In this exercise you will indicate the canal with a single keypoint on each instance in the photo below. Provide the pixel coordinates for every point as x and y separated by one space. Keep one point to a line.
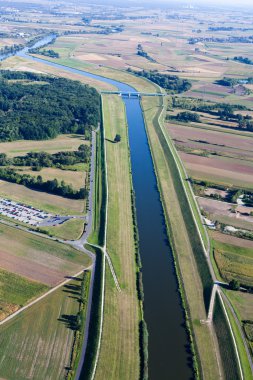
168 343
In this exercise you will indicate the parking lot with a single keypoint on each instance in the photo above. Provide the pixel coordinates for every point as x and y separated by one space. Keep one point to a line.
23 213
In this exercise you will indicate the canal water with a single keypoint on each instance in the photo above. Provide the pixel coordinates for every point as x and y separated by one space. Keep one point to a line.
168 344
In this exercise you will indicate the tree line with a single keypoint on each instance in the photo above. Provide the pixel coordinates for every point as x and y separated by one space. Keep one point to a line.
171 83
44 159
231 82
245 60
37 183
47 53
45 108
222 110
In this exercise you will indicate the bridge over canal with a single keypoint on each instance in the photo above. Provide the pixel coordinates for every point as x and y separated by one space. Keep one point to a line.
132 94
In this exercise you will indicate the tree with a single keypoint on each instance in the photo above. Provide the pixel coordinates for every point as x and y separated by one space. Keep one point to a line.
117 138
188 116
234 284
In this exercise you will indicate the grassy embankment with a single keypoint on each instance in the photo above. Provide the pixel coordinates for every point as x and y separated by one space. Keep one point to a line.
196 281
226 344
38 343
119 345
245 366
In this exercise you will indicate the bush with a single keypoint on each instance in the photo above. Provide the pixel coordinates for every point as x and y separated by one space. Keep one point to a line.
117 138
234 285
188 116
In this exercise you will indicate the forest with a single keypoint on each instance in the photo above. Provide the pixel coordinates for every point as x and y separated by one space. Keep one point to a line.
39 107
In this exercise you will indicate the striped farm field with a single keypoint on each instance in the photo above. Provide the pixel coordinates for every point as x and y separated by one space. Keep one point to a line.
37 343
16 291
233 260
37 258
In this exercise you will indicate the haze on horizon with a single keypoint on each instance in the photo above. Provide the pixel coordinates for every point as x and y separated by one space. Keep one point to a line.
229 3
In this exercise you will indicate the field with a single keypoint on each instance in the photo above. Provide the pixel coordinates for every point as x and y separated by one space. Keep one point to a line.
38 259
120 330
43 201
118 52
61 143
217 208
215 156
16 292
76 179
21 64
235 241
234 261
37 343
70 230
243 303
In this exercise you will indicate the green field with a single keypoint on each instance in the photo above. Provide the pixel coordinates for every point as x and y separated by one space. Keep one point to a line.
70 230
37 343
234 262
16 291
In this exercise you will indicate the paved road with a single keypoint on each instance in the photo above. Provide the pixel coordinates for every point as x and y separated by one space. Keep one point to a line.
88 227
212 303
58 219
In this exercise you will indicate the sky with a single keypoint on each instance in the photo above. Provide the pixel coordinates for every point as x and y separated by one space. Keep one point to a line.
229 3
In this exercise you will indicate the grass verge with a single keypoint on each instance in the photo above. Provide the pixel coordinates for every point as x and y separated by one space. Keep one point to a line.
226 345
247 373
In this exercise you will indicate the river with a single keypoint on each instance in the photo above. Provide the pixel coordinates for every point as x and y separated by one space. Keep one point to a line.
168 342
